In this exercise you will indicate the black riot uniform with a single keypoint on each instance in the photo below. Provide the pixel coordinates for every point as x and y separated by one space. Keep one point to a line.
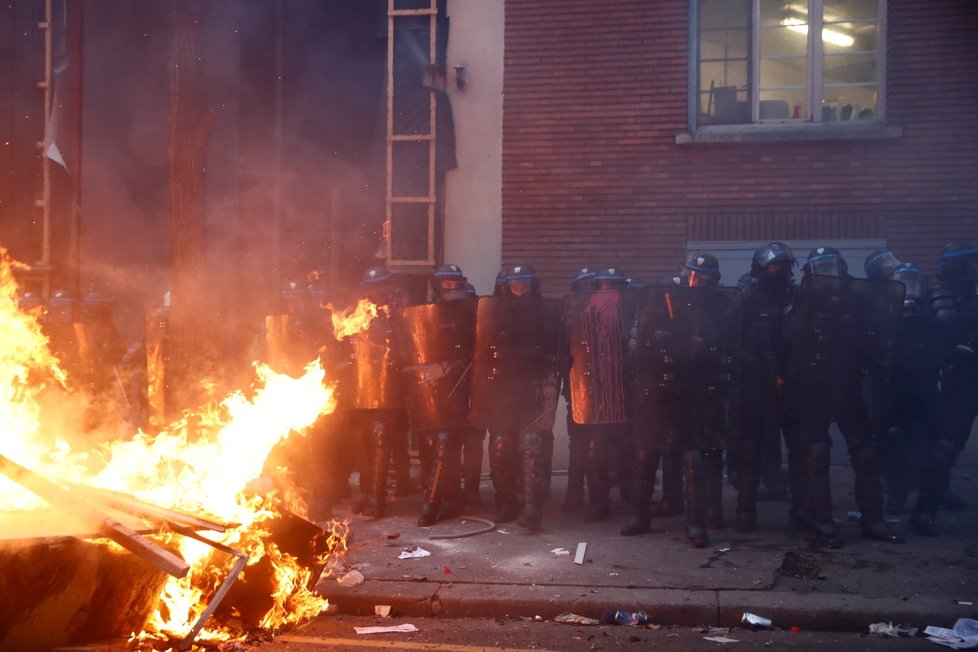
515 385
842 332
764 365
376 393
435 345
901 441
954 301
598 379
101 353
685 357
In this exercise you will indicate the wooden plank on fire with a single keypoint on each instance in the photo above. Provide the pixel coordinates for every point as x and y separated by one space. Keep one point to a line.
131 505
59 497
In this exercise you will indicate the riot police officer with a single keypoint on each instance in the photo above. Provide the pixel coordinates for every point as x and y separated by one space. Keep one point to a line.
576 436
764 365
702 270
683 377
839 367
900 442
954 301
435 344
514 390
376 391
598 326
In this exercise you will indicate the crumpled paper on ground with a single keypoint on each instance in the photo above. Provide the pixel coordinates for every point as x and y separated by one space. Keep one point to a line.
574 619
889 629
963 636
413 552
406 627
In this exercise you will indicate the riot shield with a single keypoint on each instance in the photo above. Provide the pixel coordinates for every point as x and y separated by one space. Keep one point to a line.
293 340
435 343
687 367
376 375
515 374
842 334
598 326
159 389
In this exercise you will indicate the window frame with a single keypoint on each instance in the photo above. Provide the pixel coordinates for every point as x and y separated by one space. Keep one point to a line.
814 87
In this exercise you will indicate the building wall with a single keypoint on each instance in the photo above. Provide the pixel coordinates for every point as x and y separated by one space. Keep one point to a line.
596 93
473 191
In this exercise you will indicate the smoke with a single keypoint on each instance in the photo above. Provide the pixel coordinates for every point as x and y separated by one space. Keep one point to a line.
293 180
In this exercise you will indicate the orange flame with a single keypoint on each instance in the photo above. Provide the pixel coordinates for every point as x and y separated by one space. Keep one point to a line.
203 462
355 320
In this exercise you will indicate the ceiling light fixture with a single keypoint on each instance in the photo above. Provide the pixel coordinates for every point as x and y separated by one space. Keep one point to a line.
828 35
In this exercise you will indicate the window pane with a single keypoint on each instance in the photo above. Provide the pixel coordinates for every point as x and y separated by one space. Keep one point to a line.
839 10
724 105
409 231
778 12
779 41
783 105
724 47
720 14
850 37
850 103
723 44
849 69
784 72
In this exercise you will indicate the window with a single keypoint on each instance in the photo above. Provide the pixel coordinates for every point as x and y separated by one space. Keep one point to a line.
788 61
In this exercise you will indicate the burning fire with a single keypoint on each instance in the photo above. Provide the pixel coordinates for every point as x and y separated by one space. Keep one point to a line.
351 322
203 463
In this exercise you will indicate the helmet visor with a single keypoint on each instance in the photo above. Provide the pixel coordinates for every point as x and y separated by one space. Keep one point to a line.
827 266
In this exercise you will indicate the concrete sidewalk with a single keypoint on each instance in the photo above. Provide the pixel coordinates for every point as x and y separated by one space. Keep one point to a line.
509 572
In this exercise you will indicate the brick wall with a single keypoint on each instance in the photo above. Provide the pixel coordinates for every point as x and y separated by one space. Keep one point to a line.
596 91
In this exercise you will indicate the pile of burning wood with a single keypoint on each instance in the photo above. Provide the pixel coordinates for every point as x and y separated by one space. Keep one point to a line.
162 538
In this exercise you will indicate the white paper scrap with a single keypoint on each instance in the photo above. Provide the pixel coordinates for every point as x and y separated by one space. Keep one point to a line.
964 635
721 639
579 555
393 629
413 553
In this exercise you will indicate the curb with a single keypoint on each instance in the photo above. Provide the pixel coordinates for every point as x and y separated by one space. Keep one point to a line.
838 612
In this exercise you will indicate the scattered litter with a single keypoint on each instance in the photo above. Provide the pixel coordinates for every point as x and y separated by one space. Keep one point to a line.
963 636
393 535
612 574
629 618
351 579
414 552
393 629
854 516
560 552
502 531
414 578
720 639
889 629
755 621
654 626
579 555
574 619
796 630
715 631
382 610
966 603
538 619
758 581
447 570
724 549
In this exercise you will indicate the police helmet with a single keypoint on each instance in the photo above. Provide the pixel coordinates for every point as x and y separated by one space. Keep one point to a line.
956 258
880 264
826 261
584 280
701 270
774 259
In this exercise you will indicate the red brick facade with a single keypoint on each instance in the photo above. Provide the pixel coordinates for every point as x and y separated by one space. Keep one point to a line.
596 93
